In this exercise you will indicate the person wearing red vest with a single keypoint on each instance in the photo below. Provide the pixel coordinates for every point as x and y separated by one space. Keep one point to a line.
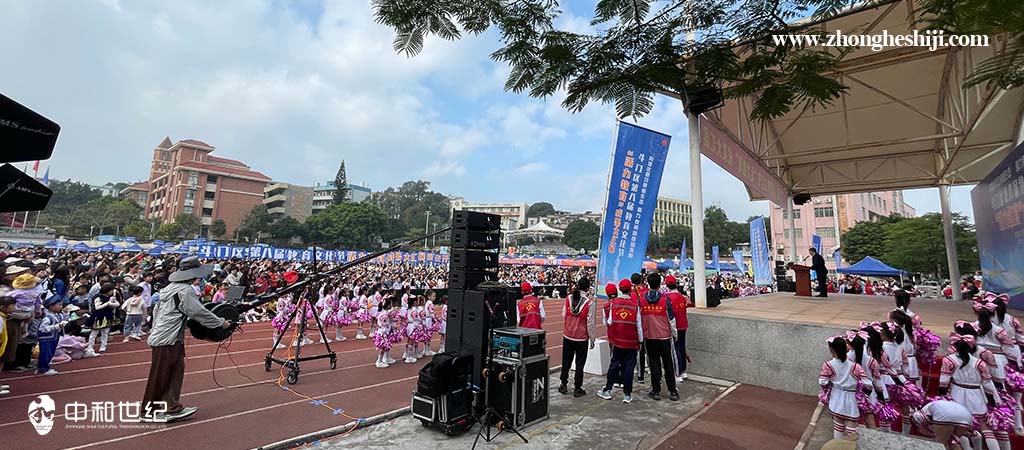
580 315
625 334
530 313
637 293
658 326
679 304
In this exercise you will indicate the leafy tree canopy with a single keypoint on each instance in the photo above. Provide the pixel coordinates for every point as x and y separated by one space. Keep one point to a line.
218 228
341 190
348 225
189 224
540 209
257 221
582 234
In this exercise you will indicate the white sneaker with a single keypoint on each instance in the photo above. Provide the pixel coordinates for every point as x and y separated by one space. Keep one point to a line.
685 376
48 372
388 359
628 398
306 341
339 339
103 349
5 391
410 360
604 394
90 353
125 340
429 353
381 365
680 379
326 341
360 336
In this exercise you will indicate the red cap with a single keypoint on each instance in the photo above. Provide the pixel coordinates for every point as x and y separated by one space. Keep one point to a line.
625 285
611 290
670 280
526 288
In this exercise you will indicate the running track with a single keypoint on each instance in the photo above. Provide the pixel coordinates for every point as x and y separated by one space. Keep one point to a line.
242 413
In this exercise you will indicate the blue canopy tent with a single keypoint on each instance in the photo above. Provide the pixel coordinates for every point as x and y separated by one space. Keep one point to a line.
106 248
134 248
182 250
666 264
585 258
728 267
873 268
51 244
82 247
156 250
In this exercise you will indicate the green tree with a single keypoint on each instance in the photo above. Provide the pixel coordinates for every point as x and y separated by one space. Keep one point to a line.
917 245
348 225
218 228
673 236
287 228
142 229
582 234
987 18
862 239
767 226
540 209
190 225
169 231
341 189
105 215
257 221
409 204
718 230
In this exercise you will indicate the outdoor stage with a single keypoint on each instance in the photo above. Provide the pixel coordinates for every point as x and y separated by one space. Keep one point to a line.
778 340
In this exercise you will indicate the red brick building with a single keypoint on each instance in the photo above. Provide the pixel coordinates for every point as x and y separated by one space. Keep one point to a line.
136 192
185 179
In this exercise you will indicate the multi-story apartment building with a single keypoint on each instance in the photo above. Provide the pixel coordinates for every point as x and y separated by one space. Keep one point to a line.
512 214
185 179
830 216
283 199
670 211
323 194
136 192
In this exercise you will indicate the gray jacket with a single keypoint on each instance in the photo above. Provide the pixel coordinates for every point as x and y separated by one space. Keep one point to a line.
168 320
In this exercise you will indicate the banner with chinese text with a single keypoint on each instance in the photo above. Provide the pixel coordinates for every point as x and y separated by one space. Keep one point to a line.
759 253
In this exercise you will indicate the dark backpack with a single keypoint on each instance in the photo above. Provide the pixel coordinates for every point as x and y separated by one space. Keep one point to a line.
445 373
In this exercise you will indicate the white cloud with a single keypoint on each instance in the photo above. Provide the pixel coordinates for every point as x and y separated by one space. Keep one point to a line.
531 168
465 141
445 168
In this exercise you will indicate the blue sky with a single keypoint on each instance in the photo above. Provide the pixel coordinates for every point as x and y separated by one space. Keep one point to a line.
293 87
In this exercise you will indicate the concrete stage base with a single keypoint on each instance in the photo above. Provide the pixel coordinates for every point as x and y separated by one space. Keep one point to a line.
778 340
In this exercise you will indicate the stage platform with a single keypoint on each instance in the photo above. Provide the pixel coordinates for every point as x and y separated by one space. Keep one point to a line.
778 340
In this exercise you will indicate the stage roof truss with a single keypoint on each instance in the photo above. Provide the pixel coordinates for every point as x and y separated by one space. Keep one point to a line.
905 121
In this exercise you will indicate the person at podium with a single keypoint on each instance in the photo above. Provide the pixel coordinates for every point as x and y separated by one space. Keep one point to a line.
820 271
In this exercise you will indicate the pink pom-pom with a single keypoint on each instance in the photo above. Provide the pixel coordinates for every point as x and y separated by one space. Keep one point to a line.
914 396
823 396
864 403
927 344
1000 418
382 341
1014 379
887 412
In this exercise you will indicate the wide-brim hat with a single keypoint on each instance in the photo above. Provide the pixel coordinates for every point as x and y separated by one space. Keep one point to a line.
190 269
25 281
14 270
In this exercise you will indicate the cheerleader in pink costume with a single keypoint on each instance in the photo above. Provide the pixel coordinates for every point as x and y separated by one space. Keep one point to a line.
307 313
1010 324
442 322
284 309
411 327
1005 351
860 354
382 338
966 380
893 360
429 322
329 316
363 316
344 315
841 380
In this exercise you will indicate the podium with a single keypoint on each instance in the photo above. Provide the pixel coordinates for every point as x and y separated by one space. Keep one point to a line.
803 280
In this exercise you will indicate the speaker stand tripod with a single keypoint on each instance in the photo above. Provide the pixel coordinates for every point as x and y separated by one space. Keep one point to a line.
292 363
489 413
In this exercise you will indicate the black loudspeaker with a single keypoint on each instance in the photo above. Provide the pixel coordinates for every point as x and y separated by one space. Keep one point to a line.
473 259
475 240
469 279
800 199
475 221
713 297
25 135
702 98
19 191
476 312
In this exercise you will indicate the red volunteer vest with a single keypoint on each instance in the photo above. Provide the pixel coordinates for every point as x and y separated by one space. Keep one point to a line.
622 332
655 319
679 303
529 312
576 326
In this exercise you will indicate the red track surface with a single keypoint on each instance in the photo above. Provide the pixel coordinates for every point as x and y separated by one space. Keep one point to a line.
245 416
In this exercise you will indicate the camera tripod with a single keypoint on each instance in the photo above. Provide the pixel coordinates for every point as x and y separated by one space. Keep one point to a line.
292 363
490 416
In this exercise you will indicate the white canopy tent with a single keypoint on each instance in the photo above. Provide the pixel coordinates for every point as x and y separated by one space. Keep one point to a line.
905 122
538 231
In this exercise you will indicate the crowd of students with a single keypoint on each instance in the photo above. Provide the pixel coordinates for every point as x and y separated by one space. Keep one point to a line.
874 376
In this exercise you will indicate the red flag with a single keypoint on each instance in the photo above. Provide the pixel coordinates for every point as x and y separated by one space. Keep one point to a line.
35 167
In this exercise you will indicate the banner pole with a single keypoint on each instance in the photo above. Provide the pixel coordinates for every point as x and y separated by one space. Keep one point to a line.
599 287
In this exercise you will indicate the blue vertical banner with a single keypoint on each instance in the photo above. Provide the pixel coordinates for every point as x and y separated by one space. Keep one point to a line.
714 258
816 243
737 256
998 202
759 253
839 260
638 160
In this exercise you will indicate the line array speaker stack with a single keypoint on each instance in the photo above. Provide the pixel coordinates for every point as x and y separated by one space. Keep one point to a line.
780 277
477 302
